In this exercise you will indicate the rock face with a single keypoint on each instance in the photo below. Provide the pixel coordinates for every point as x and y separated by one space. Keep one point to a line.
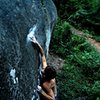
19 60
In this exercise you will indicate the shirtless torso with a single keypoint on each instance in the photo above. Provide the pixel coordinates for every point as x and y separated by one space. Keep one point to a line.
49 86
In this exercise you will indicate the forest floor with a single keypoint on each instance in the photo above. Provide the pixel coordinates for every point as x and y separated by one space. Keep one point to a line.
55 61
58 62
89 38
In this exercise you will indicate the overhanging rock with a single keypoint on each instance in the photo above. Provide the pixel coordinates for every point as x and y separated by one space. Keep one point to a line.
19 61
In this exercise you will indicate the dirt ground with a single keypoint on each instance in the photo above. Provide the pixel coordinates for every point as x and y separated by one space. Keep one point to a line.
58 63
55 61
93 42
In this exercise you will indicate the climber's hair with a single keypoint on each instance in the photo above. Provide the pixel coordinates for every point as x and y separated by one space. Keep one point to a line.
49 73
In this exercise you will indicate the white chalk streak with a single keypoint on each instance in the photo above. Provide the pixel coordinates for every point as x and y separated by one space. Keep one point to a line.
48 37
31 33
12 74
33 97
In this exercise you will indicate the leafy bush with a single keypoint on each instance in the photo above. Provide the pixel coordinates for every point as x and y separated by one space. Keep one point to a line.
60 37
80 75
79 79
84 13
97 38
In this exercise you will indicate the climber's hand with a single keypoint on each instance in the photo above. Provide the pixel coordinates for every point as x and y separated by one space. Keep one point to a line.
34 39
42 70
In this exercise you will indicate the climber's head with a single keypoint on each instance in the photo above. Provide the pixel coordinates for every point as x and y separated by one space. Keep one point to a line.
49 73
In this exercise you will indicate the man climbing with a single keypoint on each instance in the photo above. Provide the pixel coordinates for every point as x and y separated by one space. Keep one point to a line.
48 82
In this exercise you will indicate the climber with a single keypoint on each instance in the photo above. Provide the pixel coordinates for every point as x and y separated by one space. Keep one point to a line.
48 82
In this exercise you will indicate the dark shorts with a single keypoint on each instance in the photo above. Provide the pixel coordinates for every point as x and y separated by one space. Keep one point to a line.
56 98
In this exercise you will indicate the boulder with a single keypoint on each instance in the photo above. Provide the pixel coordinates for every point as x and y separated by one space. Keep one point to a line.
19 60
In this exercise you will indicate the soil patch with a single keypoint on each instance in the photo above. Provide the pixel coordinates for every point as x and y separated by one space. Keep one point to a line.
93 42
55 61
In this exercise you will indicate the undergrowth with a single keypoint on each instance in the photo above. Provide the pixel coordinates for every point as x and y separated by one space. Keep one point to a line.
79 78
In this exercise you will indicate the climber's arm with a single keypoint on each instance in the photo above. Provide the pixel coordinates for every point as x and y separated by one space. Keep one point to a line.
40 90
46 95
48 87
44 63
54 87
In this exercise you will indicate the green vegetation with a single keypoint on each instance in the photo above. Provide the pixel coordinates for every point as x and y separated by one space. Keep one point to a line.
80 75
82 14
79 78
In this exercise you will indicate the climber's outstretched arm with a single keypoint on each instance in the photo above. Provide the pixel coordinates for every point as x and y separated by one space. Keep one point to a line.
44 63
